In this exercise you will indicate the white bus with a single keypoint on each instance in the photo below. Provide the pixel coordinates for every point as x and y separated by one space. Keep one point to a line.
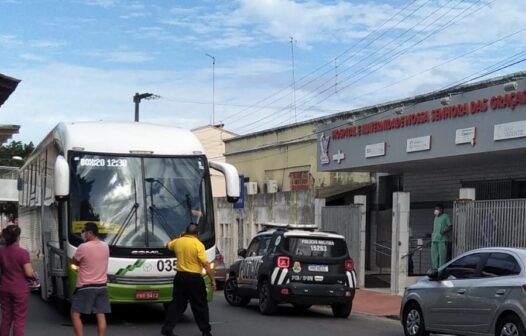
141 183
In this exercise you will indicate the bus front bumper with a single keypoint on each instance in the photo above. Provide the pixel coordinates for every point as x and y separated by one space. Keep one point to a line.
123 294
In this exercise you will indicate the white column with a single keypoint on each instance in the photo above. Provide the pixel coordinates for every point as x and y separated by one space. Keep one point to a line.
400 241
318 204
467 194
362 201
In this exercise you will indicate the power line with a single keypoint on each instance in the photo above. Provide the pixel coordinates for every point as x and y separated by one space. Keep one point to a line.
380 63
305 101
368 55
449 23
418 42
442 64
195 102
383 63
403 19
491 72
326 64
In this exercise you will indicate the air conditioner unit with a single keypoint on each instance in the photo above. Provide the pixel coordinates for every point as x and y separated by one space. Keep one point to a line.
251 188
271 186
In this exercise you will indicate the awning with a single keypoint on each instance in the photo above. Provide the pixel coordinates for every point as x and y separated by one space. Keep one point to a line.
7 86
336 190
7 131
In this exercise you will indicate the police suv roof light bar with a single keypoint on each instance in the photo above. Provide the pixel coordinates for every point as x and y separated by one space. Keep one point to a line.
291 226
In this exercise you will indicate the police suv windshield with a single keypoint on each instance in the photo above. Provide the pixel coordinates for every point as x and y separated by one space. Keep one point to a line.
139 202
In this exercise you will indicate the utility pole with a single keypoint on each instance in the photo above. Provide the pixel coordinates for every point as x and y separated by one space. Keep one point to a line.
213 86
137 100
293 78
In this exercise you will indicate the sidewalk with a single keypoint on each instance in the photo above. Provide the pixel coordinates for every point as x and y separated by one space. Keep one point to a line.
376 303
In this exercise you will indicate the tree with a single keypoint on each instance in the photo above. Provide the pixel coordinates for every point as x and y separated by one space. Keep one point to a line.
15 148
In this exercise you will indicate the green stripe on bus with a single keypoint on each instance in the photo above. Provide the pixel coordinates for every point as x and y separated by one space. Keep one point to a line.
138 263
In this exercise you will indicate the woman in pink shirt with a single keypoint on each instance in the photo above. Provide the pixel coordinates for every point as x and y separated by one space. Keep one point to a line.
14 291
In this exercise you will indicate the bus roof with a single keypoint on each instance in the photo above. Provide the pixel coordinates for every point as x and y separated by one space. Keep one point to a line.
125 137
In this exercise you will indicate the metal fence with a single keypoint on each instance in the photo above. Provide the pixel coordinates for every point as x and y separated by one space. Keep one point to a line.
488 223
419 255
382 251
344 220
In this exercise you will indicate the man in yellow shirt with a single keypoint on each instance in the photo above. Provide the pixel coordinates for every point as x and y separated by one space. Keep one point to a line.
189 285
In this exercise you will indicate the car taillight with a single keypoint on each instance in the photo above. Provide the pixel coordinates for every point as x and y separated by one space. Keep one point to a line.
349 265
283 262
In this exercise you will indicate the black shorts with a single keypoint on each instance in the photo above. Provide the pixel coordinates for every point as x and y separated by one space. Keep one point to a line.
91 300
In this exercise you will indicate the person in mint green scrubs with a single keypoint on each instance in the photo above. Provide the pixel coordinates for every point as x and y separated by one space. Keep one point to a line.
441 237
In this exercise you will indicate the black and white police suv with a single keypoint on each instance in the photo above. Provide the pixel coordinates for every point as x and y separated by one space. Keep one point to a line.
293 264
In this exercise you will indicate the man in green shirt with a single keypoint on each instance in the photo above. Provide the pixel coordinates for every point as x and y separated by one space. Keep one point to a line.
441 237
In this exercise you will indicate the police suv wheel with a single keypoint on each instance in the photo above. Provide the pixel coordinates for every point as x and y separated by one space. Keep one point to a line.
342 310
231 294
267 305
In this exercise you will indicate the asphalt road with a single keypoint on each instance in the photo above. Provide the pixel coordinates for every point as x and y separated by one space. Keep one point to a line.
143 320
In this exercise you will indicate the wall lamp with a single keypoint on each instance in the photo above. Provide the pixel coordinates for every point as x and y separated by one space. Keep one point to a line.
511 86
445 100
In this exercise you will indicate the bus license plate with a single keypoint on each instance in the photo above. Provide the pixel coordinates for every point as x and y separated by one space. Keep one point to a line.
319 268
146 295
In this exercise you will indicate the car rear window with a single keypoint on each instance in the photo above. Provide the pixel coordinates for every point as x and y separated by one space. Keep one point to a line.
315 247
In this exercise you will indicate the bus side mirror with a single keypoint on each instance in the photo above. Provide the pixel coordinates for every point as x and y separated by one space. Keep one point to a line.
231 179
61 178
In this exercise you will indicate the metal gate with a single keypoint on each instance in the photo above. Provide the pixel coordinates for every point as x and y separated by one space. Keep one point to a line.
488 224
344 220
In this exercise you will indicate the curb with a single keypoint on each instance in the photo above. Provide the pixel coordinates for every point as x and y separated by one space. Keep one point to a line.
328 309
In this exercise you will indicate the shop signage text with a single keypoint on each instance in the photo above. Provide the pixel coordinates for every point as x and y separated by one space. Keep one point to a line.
375 150
419 144
510 130
466 135
510 100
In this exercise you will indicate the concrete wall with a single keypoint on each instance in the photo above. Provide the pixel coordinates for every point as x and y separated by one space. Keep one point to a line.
236 227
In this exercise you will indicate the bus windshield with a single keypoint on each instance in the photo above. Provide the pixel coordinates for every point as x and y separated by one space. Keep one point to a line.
139 202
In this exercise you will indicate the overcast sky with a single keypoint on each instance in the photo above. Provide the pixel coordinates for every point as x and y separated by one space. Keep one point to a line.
85 59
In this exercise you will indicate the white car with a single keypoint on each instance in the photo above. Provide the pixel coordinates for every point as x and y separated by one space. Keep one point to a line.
481 292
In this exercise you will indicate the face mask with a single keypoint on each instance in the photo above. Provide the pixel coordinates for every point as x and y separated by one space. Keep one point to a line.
436 212
83 235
